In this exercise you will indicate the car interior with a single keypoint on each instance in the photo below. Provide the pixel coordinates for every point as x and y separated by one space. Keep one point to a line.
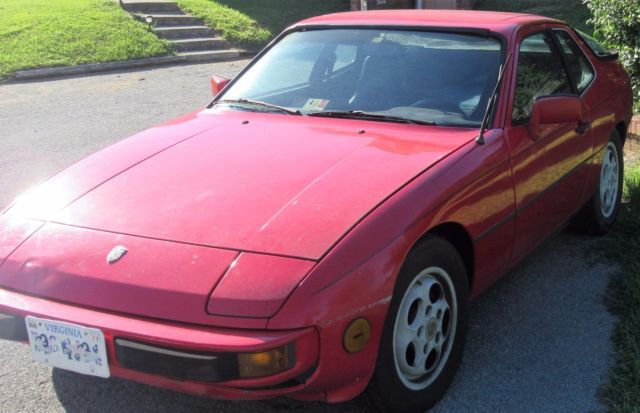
448 85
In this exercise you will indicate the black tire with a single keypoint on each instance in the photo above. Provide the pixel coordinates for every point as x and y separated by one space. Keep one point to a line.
595 218
389 389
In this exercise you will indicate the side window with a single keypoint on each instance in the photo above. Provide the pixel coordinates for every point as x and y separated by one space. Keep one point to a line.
540 73
596 47
579 66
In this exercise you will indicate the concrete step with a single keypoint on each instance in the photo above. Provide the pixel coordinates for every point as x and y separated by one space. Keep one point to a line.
203 43
184 32
172 19
210 55
151 6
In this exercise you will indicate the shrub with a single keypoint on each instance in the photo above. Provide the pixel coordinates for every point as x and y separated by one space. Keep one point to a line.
617 23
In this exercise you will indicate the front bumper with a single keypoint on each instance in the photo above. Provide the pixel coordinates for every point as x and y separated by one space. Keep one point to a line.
180 339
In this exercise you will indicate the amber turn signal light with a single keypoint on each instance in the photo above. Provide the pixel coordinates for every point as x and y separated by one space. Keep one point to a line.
356 335
265 363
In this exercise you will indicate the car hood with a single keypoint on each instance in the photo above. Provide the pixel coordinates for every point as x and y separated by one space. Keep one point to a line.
143 276
257 182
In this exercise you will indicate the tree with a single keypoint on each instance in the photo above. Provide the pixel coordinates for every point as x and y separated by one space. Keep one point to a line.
617 24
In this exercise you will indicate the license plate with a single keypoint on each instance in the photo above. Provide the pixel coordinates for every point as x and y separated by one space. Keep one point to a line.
68 346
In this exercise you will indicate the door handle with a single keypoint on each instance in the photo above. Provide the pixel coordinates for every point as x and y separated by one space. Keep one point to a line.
583 128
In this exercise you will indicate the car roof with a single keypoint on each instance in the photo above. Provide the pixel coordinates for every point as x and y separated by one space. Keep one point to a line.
501 22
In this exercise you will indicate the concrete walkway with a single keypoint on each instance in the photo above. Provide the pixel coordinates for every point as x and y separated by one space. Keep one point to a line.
190 37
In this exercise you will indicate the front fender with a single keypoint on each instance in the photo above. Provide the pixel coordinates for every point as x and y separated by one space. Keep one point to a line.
472 188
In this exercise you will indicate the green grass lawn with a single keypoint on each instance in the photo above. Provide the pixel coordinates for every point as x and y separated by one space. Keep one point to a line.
573 12
44 33
622 394
253 23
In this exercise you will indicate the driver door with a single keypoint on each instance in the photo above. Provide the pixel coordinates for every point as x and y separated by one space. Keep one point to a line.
550 173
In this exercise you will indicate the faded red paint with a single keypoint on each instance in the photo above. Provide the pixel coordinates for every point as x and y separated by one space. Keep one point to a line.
205 198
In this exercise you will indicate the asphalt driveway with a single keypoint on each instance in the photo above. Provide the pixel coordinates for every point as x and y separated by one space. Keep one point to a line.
538 341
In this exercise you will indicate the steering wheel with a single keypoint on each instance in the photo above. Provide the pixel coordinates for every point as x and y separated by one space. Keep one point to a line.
438 104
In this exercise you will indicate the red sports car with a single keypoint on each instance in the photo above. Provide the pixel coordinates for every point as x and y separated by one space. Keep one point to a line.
321 227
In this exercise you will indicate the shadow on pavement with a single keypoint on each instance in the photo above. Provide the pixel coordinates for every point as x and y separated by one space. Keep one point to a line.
78 393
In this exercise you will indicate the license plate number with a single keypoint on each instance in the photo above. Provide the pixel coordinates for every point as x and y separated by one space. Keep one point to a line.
68 346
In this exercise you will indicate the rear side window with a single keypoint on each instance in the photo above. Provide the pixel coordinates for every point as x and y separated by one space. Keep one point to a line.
540 73
596 47
579 66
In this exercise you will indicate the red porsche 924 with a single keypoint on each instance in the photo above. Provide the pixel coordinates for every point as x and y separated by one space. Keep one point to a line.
319 229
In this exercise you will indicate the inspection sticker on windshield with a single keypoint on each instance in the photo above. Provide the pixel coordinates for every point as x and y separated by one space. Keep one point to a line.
68 346
316 104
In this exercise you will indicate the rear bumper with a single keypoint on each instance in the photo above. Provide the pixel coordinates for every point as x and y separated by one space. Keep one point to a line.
184 338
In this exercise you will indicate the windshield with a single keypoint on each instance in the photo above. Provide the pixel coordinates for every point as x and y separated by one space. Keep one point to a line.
428 77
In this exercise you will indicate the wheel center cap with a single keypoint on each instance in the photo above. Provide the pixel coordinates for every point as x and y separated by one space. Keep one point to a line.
432 328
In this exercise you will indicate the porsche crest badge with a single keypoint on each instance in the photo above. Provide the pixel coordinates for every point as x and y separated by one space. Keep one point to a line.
116 254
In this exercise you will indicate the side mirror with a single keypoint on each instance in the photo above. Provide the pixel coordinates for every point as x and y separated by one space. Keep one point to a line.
554 110
217 84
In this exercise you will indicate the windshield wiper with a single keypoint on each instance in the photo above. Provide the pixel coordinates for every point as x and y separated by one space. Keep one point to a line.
492 102
258 103
358 114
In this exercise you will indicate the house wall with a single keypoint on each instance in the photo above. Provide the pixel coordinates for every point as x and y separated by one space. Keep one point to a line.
440 4
409 4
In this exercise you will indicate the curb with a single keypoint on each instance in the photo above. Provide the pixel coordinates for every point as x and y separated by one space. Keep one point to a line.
94 67
53 72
